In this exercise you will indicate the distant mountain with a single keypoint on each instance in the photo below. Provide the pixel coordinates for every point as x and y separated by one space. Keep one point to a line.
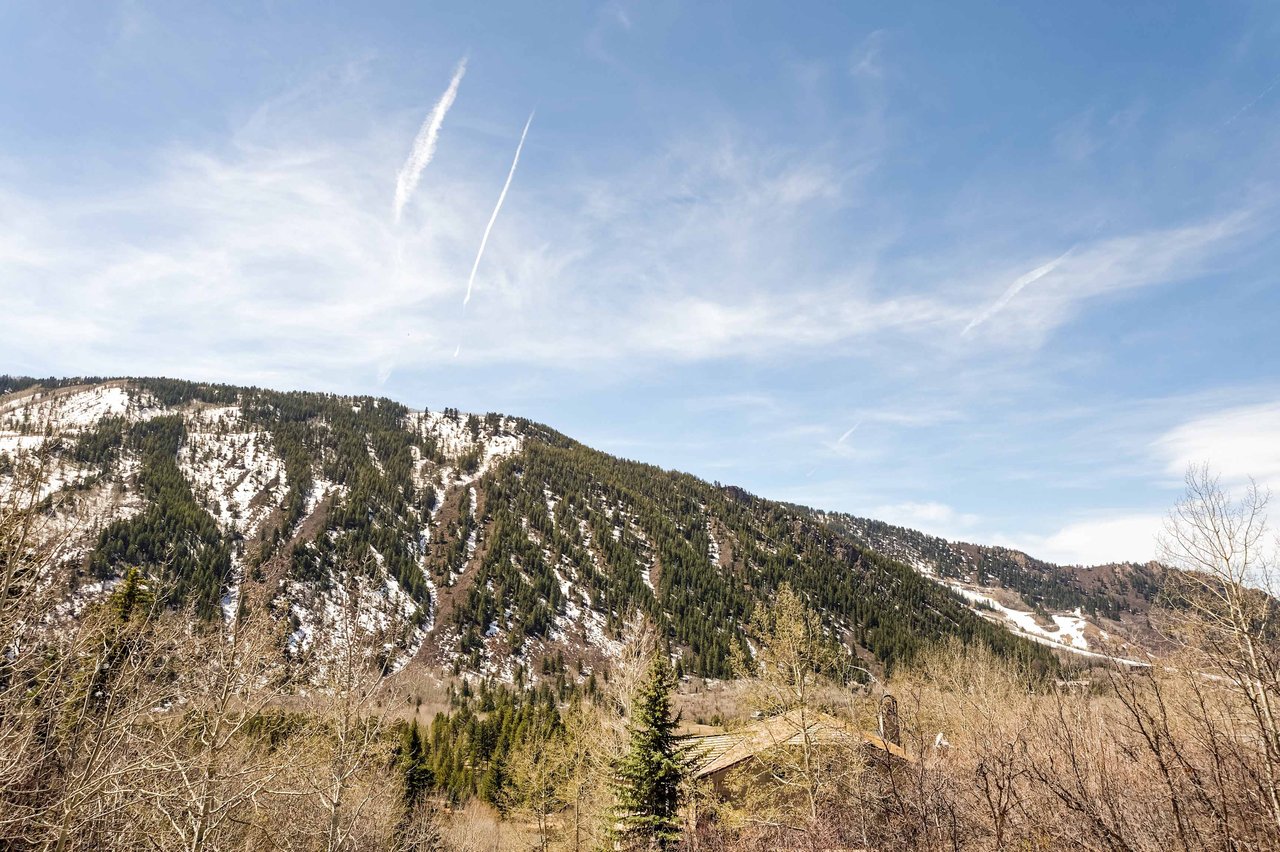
495 545
1090 610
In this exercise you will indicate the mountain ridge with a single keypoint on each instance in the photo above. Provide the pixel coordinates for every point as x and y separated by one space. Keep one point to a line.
490 544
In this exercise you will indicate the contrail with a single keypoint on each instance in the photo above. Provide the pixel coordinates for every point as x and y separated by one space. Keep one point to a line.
501 198
424 145
1253 102
1014 289
848 432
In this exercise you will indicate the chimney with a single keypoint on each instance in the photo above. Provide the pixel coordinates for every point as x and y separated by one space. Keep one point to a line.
890 731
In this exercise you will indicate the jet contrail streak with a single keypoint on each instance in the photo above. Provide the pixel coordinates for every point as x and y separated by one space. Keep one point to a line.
1014 289
501 198
424 145
1253 102
848 432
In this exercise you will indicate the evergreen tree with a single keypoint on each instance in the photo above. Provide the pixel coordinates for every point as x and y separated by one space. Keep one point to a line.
132 597
418 776
649 776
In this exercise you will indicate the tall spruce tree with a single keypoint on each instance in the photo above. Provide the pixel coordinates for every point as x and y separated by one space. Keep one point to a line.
418 777
648 778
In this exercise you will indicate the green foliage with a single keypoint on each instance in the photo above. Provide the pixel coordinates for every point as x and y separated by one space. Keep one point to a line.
362 444
414 765
175 392
100 445
469 462
464 753
1039 583
132 598
613 521
174 538
649 777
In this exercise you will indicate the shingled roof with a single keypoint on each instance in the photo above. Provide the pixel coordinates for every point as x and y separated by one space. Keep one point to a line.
715 753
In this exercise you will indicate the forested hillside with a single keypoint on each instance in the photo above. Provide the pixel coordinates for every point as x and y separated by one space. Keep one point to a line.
1126 587
481 543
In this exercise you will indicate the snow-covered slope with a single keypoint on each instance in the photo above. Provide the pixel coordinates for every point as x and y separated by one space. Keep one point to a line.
236 473
483 544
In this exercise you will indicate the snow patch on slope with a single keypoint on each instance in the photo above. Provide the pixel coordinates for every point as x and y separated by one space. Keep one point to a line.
455 439
1067 633
376 613
62 413
73 410
235 471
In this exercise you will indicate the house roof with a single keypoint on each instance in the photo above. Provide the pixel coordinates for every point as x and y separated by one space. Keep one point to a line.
717 752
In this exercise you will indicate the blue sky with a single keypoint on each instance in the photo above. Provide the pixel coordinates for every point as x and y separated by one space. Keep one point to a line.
997 272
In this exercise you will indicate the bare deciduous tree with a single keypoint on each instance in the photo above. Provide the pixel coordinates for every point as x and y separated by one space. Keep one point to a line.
351 704
1220 603
210 759
76 680
808 768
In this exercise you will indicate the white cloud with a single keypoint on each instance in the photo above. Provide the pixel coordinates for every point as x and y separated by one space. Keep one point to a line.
1236 443
866 59
762 325
1118 537
270 258
928 516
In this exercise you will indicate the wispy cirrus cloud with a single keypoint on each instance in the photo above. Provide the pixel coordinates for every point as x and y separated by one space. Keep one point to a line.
1109 266
271 257
867 61
260 254
933 517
